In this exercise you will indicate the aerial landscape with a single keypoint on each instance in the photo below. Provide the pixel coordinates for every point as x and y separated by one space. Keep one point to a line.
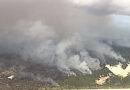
64 44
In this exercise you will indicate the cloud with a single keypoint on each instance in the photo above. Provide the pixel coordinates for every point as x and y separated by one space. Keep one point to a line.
59 34
105 6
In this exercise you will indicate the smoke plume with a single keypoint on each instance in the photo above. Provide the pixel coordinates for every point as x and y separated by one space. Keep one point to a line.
66 34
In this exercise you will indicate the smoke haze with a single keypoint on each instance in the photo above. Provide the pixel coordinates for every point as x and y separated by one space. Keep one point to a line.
67 34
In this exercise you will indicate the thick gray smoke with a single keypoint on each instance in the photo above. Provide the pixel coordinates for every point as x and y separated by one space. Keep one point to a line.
61 33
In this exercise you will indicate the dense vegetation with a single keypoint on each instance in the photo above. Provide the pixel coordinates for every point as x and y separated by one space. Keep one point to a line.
28 82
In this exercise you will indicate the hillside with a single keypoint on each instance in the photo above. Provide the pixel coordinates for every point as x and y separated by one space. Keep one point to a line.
29 75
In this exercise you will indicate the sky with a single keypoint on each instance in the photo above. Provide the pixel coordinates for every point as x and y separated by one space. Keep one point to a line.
66 34
122 9
122 21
